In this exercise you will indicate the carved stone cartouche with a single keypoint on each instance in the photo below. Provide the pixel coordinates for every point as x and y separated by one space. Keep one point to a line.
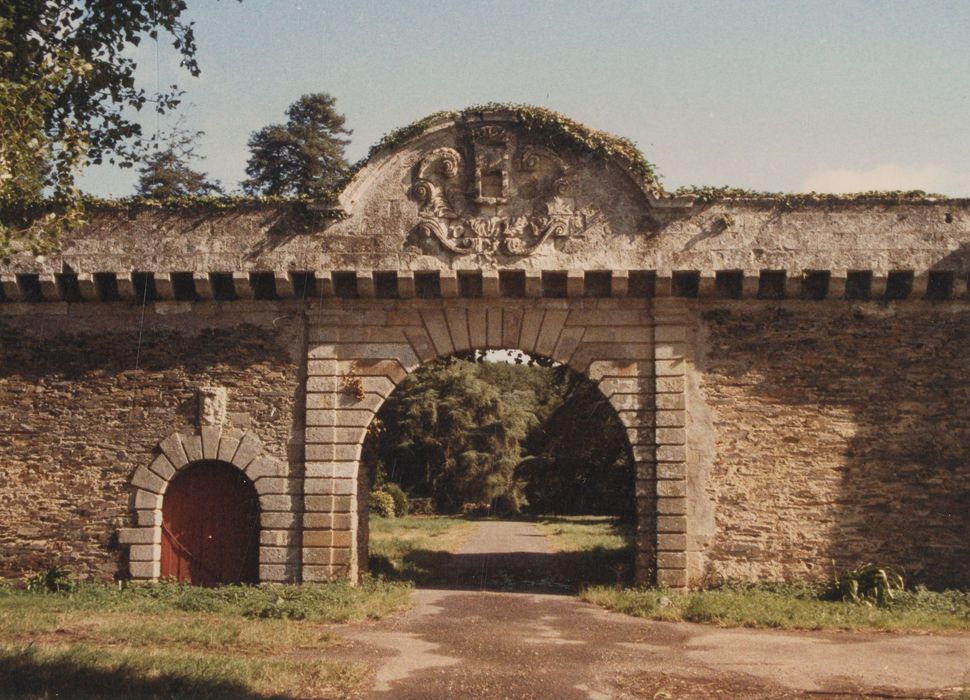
501 200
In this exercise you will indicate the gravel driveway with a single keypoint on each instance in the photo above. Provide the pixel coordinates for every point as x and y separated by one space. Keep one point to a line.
481 644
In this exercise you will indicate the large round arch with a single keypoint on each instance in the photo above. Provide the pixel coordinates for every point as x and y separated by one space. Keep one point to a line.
630 348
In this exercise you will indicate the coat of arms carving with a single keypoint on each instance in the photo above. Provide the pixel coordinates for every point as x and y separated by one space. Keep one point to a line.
494 198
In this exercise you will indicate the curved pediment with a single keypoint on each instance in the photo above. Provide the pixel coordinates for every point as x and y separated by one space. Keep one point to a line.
494 186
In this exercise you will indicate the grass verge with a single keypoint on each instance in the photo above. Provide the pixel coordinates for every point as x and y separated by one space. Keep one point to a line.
591 549
97 671
168 640
789 607
415 547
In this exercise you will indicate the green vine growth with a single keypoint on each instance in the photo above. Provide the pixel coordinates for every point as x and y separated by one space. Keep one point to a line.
555 129
550 128
794 200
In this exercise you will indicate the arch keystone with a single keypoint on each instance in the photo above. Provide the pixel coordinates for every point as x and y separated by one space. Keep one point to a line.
210 441
192 444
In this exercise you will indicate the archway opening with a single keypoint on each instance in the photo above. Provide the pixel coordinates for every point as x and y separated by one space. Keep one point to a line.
516 473
210 526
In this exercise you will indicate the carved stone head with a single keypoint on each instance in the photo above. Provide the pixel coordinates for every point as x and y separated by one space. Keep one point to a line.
212 405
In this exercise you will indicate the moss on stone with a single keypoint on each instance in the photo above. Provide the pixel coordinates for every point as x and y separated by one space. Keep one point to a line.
217 203
793 200
557 130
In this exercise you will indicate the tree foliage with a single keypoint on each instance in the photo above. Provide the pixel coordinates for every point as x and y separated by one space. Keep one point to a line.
452 436
30 158
580 459
100 34
511 435
304 156
67 83
166 173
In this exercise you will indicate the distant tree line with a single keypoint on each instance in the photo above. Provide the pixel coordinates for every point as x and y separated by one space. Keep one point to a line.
528 436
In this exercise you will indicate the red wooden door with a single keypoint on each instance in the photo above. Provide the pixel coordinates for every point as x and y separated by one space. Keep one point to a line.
210 526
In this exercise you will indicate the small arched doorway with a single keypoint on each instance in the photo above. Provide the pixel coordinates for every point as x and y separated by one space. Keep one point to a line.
210 526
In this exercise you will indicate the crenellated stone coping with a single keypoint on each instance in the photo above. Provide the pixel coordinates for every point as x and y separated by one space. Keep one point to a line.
278 500
135 287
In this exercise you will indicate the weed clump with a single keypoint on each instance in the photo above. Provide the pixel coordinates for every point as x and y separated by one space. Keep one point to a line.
381 503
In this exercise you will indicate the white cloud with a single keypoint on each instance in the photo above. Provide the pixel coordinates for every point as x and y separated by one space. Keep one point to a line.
890 176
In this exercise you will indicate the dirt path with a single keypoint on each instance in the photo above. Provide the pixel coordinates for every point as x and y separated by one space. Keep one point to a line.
477 644
499 555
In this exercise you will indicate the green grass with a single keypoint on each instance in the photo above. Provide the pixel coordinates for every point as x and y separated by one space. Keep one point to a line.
585 549
585 533
789 607
606 549
98 671
332 602
414 547
170 640
592 549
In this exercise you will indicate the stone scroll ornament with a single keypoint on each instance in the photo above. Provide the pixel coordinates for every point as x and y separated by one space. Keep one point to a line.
501 201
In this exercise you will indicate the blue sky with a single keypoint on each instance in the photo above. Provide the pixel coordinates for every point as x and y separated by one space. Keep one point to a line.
780 96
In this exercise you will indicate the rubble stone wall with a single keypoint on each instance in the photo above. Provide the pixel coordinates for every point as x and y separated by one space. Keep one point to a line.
84 403
824 432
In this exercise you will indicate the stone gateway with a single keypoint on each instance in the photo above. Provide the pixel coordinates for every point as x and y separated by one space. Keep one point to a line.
793 371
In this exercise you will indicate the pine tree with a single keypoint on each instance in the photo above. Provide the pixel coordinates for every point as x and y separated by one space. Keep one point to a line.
166 172
304 156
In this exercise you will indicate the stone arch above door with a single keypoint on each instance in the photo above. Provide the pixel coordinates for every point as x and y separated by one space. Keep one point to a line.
632 349
278 500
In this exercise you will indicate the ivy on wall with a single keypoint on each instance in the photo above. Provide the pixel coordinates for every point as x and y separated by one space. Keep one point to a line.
793 200
549 128
557 130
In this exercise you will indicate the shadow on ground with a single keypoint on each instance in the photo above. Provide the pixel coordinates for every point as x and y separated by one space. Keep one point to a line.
558 572
23 675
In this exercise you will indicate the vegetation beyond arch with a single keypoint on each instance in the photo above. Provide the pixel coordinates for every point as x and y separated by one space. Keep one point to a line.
507 436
